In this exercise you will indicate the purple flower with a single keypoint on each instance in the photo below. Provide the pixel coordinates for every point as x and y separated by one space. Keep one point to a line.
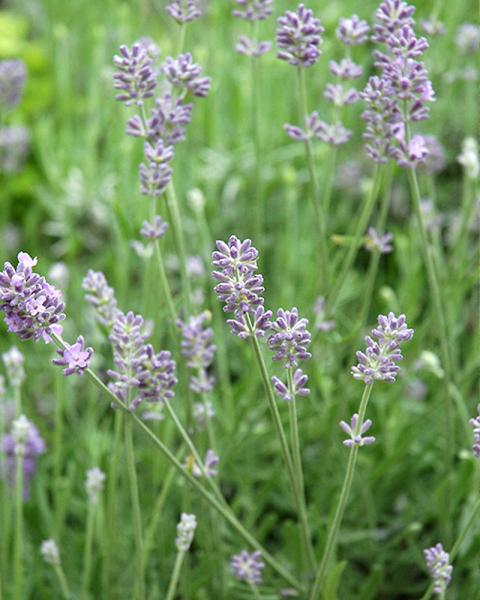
32 307
210 463
352 31
380 242
468 38
378 363
321 323
335 93
198 349
438 564
158 152
433 27
299 36
183 73
203 412
24 441
135 77
14 146
356 430
290 338
434 162
335 134
253 10
184 11
155 230
156 377
14 366
12 82
411 154
475 425
248 566
168 121
154 178
300 381
249 47
101 296
313 127
74 357
346 69
240 287
390 16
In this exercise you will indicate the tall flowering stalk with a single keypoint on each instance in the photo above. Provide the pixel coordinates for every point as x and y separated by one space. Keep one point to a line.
254 11
94 483
43 326
185 532
377 363
51 555
241 289
299 38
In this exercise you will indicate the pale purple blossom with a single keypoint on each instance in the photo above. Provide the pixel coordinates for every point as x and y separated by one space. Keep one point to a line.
248 566
75 358
352 31
198 349
299 386
203 412
380 242
389 17
184 11
253 10
299 37
334 134
379 361
439 567
134 76
168 120
434 162
210 464
14 366
433 27
339 96
475 425
154 178
249 47
12 82
345 69
14 146
355 430
290 338
101 297
411 154
32 307
467 38
183 73
154 230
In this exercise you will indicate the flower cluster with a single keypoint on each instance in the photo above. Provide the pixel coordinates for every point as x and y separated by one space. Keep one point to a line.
50 553
248 566
240 287
23 443
32 307
94 483
405 89
352 31
203 412
438 564
299 36
155 230
101 296
135 77
253 10
355 430
75 358
210 464
14 361
139 370
185 532
12 82
183 73
198 349
380 242
184 11
298 386
435 160
475 424
379 361
249 47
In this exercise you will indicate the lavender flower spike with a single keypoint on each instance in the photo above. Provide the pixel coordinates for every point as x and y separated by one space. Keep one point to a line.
475 425
290 338
32 307
50 553
12 82
352 31
155 230
135 77
182 72
299 36
198 349
14 361
75 358
300 381
249 47
380 242
356 430
438 564
185 532
101 296
248 566
253 10
184 11
379 361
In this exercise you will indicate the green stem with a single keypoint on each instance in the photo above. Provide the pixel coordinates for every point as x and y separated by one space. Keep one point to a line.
17 395
57 458
255 592
222 509
174 211
175 576
319 208
458 544
87 556
136 512
258 198
181 37
18 547
62 580
297 495
328 184
342 502
358 234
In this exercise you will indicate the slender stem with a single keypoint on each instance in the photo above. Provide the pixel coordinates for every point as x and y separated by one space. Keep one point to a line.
136 512
113 496
62 580
328 184
17 395
57 458
359 232
258 198
175 576
342 502
4 506
224 510
87 555
174 211
255 592
18 547
297 495
458 544
181 37
315 196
